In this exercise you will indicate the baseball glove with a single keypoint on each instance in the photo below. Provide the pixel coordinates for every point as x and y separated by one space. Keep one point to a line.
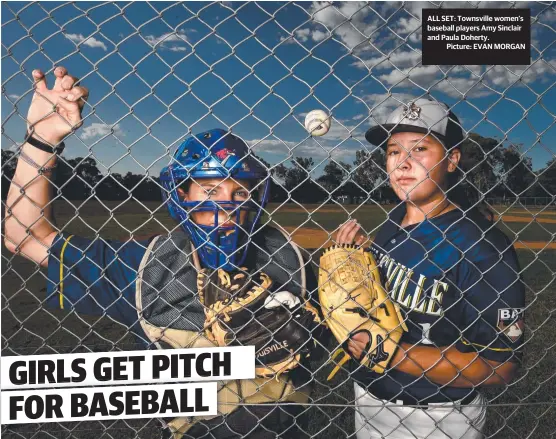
242 310
353 300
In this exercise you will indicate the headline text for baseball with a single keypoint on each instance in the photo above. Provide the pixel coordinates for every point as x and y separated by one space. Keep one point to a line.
123 402
132 367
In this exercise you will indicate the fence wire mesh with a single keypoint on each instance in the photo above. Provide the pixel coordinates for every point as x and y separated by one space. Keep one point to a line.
160 72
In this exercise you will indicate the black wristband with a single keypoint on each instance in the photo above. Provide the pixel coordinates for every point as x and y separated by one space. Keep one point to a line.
42 145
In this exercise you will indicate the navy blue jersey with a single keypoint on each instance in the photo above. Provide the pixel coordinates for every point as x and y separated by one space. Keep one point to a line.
95 277
457 281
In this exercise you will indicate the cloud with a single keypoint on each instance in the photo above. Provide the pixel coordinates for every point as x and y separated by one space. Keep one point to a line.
503 76
535 38
472 81
287 40
99 130
457 87
410 21
348 20
169 41
302 34
435 78
547 16
388 98
308 148
271 145
318 35
177 49
86 41
13 97
342 130
354 23
422 75
382 104
399 59
396 98
410 25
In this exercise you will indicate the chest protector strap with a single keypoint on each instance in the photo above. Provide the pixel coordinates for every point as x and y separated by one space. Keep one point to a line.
231 394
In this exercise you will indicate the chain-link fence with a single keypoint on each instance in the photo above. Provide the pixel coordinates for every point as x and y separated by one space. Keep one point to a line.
160 72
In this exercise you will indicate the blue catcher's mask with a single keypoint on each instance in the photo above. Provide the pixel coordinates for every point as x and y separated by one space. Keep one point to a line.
216 154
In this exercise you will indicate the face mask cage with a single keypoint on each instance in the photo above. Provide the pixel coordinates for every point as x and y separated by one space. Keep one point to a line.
218 245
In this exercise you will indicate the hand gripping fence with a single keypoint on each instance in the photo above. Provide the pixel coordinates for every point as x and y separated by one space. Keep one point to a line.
160 72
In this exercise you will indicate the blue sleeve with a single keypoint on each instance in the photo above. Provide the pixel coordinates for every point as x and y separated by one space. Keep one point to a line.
95 277
493 298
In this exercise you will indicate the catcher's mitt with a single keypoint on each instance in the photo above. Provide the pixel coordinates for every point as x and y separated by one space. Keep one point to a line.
353 300
240 309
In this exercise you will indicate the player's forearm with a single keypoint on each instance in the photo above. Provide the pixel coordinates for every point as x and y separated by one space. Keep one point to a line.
446 366
28 206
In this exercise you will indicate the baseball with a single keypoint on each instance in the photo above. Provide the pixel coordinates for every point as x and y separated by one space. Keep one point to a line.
317 122
281 298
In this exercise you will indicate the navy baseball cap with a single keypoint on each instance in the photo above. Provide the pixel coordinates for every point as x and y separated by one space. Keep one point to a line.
420 116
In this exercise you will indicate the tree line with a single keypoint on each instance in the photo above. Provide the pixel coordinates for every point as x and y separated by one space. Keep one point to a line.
488 168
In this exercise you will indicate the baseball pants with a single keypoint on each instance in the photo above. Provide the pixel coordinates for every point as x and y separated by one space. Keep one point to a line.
378 419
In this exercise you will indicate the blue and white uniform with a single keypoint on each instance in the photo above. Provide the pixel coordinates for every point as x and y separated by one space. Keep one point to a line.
456 279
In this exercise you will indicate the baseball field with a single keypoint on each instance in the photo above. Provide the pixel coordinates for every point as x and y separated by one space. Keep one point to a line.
525 409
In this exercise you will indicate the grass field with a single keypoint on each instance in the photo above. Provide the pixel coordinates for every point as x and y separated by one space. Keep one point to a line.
525 409
114 220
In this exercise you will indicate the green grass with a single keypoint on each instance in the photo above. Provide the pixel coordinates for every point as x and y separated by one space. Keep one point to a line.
27 328
371 218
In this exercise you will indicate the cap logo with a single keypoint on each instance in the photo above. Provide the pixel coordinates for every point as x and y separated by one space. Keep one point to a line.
224 154
412 112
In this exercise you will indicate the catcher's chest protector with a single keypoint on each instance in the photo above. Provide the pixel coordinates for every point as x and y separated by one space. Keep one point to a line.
166 286
172 316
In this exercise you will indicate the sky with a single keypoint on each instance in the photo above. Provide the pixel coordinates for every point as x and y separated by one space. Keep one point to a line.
158 71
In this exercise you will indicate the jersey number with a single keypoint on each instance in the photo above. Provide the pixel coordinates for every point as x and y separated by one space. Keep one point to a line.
425 328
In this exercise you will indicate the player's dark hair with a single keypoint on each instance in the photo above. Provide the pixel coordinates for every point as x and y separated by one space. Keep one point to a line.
466 196
184 185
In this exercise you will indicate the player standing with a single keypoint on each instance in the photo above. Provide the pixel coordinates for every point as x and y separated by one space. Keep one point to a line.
216 191
454 276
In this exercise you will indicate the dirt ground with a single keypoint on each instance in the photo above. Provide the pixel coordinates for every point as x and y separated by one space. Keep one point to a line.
314 238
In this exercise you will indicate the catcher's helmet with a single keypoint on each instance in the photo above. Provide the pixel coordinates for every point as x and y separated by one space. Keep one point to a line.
216 154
